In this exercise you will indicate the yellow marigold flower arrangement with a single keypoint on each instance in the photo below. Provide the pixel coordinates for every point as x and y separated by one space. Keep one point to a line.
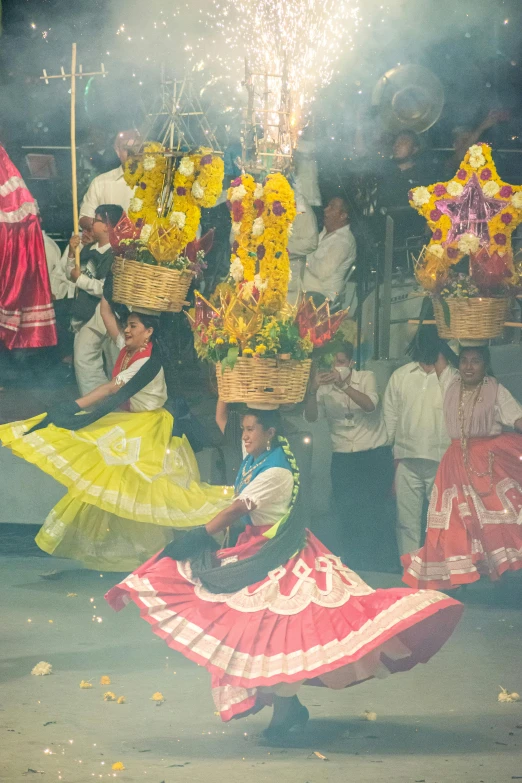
105 680
209 180
118 766
240 201
85 684
429 201
109 696
157 697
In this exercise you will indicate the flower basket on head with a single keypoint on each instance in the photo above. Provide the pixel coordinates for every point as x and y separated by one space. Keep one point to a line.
264 381
153 287
479 318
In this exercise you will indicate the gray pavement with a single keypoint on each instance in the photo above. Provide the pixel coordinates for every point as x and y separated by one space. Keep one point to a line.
437 724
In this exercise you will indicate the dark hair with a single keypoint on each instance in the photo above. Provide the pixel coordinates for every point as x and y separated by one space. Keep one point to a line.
426 345
345 347
483 352
149 322
111 214
266 419
409 134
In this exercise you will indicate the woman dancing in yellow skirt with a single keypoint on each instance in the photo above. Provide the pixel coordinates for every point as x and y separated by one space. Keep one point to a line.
130 482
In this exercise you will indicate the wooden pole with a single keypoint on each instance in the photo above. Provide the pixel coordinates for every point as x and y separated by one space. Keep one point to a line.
73 152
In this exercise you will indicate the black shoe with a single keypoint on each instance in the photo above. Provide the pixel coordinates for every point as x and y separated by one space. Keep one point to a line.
294 725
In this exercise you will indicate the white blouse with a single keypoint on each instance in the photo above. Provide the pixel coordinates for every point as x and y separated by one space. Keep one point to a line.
271 492
153 395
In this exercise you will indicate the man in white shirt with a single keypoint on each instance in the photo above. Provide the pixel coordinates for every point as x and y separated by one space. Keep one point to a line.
415 424
91 340
327 267
301 242
110 188
362 464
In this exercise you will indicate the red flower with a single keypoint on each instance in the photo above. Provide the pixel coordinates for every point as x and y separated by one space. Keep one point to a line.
261 252
237 212
437 235
435 215
259 205
506 218
278 209
205 160
439 190
485 174
181 191
461 174
500 239
235 182
452 252
506 191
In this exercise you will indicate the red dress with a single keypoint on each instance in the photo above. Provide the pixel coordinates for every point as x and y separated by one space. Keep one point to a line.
474 522
27 317
312 620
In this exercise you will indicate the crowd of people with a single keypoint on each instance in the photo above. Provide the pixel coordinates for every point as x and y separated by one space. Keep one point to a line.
231 577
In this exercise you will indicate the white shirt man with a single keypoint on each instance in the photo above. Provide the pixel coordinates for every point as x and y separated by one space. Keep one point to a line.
110 188
53 257
415 423
301 242
327 267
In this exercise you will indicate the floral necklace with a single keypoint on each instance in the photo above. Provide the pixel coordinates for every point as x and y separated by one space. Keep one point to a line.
472 396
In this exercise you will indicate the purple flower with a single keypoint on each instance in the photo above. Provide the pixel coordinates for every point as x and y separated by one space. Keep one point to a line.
506 218
435 215
278 209
485 174
439 190
235 182
461 174
506 191
235 246
437 235
410 195
500 239
181 191
452 252
205 160
142 185
261 250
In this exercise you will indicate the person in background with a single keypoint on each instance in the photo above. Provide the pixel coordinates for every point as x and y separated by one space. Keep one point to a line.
110 188
91 335
415 424
463 137
326 269
301 242
362 464
474 517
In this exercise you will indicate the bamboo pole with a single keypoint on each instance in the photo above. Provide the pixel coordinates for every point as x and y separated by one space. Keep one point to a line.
73 153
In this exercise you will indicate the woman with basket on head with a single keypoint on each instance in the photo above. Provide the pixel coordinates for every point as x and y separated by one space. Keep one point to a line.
278 609
475 513
130 483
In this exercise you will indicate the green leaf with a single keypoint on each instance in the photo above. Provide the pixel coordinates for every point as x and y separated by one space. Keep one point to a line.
446 311
230 359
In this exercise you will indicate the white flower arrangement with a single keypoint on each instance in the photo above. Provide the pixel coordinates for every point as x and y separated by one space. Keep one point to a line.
455 188
136 204
476 158
186 167
468 244
491 188
258 227
178 219
237 271
516 200
436 250
259 191
238 193
149 162
260 283
236 228
146 231
197 190
420 196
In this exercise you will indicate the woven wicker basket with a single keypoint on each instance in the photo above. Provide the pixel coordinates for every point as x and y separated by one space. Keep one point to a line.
152 287
471 319
266 381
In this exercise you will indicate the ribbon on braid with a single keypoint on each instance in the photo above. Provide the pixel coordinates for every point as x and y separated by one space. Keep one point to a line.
285 538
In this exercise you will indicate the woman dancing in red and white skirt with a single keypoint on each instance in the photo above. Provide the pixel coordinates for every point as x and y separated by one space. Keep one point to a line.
278 609
475 513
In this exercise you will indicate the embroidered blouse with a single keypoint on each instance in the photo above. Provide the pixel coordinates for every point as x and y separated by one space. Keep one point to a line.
153 395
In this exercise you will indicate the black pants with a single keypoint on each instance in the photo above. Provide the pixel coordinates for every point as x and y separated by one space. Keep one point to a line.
362 483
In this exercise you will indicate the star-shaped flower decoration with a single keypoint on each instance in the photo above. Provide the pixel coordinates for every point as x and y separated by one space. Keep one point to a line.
474 210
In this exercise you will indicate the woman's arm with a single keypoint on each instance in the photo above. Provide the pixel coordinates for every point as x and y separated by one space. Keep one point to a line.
110 320
360 398
98 394
228 516
221 415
